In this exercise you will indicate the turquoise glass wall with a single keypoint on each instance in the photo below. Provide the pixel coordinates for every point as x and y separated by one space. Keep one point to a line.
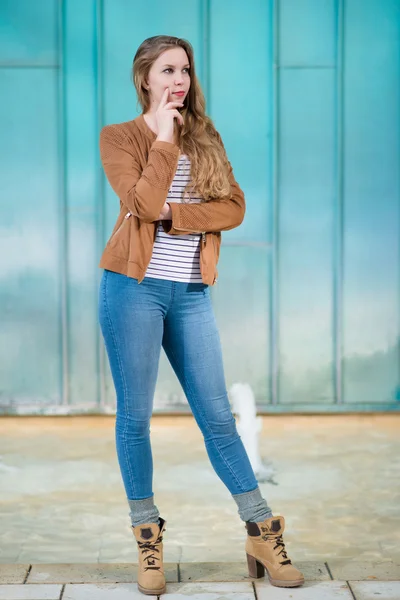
306 95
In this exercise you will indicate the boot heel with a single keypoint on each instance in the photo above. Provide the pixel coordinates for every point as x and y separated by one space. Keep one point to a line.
256 569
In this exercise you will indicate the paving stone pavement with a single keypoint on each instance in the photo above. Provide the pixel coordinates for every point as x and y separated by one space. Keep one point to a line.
202 581
64 531
62 498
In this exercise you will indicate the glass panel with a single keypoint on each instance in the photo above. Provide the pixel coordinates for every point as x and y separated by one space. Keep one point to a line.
29 235
28 32
372 203
307 32
82 198
306 193
241 303
240 104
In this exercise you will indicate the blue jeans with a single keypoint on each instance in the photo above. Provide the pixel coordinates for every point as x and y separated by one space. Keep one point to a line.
136 321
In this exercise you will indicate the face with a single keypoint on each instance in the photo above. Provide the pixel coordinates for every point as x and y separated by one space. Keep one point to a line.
170 70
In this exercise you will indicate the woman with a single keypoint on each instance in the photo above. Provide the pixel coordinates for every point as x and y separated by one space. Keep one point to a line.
177 193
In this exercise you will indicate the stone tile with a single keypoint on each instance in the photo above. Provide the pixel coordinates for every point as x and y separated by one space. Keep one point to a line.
9 553
209 596
372 590
10 573
212 587
111 553
391 549
115 559
346 554
172 553
239 590
321 590
210 552
48 557
313 477
91 573
104 591
118 553
212 571
70 538
313 570
30 592
357 570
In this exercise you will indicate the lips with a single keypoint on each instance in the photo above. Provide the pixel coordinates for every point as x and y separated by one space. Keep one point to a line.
178 93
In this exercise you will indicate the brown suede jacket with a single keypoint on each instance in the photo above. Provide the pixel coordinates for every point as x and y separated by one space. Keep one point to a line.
140 170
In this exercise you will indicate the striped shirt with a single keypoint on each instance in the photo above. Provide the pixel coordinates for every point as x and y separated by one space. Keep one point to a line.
177 257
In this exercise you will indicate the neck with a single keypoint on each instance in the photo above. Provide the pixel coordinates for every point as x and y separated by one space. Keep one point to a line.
151 122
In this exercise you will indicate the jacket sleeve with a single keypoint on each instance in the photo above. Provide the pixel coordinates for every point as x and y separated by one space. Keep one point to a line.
214 215
142 192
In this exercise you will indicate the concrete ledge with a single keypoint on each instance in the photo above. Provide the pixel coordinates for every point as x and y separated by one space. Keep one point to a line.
93 573
340 570
361 571
237 571
13 573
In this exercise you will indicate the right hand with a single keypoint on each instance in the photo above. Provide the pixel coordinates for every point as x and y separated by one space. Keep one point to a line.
165 115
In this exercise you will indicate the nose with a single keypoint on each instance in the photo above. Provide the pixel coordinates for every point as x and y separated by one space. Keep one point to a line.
178 80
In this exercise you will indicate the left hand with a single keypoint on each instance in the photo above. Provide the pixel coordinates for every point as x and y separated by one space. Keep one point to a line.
166 213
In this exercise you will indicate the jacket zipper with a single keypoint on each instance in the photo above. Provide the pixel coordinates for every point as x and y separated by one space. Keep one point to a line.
122 224
155 235
203 237
215 251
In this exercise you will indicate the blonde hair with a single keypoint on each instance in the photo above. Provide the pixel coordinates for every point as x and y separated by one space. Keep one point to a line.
198 137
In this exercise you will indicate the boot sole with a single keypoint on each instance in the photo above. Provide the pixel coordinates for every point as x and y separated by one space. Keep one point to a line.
258 569
149 592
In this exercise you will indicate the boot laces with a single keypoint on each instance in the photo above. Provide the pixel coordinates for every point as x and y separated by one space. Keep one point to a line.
279 543
151 558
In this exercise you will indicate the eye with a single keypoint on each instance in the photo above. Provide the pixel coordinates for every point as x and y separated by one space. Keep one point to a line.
187 70
165 70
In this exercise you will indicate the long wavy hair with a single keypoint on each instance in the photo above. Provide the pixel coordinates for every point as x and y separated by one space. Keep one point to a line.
197 137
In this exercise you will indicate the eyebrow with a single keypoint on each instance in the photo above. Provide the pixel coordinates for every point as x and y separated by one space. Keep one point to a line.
173 66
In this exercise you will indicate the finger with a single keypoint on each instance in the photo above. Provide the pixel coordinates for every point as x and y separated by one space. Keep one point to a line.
173 105
178 116
164 97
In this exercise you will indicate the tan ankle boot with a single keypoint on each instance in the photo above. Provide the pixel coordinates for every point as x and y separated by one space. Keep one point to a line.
265 549
151 577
